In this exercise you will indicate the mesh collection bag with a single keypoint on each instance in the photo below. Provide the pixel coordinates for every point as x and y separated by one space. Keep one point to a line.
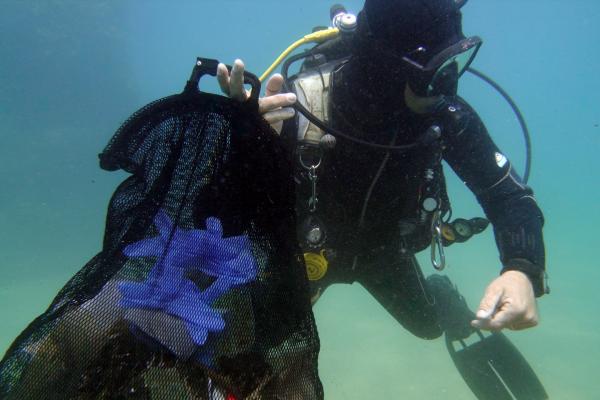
200 290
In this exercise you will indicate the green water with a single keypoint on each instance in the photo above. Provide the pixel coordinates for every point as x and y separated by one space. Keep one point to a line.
71 72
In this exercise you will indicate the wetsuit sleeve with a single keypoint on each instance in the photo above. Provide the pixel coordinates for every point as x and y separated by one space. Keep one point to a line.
507 202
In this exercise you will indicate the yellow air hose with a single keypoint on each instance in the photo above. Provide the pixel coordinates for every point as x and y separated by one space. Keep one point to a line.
315 37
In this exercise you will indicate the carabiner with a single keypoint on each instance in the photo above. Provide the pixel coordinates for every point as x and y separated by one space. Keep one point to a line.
312 177
311 170
437 247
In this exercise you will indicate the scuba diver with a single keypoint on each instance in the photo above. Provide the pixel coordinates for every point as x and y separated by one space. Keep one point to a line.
384 113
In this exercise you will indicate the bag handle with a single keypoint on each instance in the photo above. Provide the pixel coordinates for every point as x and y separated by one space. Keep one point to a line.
208 66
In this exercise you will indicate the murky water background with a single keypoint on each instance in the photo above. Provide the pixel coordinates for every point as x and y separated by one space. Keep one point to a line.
71 72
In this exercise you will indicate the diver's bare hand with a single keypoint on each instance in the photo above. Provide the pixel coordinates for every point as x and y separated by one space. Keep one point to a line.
509 302
275 107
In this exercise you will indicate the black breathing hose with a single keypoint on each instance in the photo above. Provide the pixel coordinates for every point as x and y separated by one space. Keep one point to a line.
517 112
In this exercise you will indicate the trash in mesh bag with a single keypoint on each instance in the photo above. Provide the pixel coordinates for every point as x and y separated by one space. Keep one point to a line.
199 291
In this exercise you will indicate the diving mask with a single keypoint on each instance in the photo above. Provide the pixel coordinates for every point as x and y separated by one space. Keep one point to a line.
435 75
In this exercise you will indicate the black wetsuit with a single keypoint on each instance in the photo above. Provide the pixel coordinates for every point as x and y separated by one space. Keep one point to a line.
377 254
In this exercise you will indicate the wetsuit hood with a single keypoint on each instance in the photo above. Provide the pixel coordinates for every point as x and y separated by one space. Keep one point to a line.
390 32
405 25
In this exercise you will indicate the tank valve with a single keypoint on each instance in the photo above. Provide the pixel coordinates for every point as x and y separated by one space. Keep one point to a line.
342 19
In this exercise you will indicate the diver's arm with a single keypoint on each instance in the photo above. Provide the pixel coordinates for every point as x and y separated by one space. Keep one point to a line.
509 204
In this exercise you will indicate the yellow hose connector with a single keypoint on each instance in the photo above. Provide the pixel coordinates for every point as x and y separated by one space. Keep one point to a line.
315 37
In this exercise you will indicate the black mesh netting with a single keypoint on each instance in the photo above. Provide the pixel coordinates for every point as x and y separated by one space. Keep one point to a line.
200 291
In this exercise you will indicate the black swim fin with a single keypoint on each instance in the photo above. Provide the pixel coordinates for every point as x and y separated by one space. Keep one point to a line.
494 368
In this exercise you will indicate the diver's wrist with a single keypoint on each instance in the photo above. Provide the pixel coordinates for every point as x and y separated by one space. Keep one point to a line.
535 273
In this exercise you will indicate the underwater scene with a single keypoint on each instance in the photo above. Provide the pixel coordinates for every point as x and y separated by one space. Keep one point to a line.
185 224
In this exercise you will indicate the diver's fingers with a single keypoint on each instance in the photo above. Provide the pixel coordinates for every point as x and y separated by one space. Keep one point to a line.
276 117
487 307
481 324
279 115
236 82
489 303
511 314
505 318
523 325
515 315
223 78
273 102
274 85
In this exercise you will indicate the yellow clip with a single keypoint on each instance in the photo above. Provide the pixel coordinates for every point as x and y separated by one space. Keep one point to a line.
316 265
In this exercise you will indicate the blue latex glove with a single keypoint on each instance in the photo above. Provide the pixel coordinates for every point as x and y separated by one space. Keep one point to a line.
167 291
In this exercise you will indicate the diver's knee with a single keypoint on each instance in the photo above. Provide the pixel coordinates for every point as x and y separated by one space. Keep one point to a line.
453 315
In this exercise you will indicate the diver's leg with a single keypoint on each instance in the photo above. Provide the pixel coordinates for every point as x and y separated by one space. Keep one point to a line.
400 287
426 307
454 316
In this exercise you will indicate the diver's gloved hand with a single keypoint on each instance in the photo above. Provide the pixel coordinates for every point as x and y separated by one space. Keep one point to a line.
275 107
509 302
